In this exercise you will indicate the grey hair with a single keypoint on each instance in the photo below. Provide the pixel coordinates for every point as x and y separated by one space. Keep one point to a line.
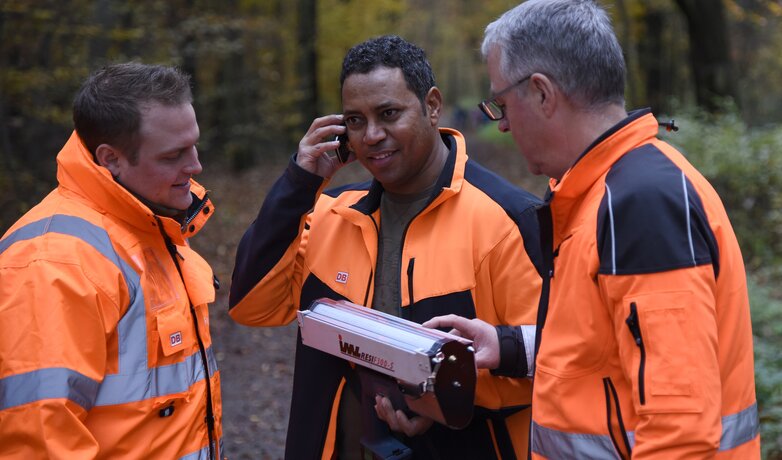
570 41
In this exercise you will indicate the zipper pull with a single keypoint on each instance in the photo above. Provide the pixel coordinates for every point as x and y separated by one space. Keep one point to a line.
632 323
635 330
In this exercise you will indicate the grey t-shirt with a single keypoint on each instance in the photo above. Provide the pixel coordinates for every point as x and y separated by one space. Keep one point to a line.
396 212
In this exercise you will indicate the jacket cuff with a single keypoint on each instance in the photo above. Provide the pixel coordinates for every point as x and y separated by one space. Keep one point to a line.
513 356
299 175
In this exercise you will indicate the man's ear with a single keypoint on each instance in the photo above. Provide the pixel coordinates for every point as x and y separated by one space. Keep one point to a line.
110 158
546 94
434 105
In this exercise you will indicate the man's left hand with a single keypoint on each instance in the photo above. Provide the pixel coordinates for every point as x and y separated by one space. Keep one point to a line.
398 421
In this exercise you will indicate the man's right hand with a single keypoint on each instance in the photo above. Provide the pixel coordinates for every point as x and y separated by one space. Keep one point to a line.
313 154
483 335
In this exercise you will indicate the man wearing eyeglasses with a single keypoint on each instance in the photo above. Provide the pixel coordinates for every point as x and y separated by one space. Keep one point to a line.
432 233
645 344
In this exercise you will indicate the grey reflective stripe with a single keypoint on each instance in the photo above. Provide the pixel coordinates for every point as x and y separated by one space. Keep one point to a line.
740 428
687 212
134 381
613 231
132 327
528 333
158 381
52 383
556 444
737 429
202 454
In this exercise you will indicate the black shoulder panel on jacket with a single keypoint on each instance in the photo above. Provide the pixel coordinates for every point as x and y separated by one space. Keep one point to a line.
336 191
519 204
651 219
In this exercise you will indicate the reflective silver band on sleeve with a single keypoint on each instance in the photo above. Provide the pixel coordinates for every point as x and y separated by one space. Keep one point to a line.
555 444
50 383
739 428
528 334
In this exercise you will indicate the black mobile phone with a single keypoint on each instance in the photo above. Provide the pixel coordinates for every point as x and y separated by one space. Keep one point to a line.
342 152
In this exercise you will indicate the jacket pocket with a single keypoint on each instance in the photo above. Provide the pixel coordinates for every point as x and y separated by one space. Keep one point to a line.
635 329
660 327
616 426
174 331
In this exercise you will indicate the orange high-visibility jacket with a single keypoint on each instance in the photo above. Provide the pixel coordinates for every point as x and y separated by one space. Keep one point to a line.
468 252
646 350
104 348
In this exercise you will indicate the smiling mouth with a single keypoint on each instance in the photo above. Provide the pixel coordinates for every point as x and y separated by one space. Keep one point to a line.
382 155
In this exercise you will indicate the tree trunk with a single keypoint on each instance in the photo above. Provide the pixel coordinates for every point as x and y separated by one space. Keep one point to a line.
710 57
307 62
656 81
631 53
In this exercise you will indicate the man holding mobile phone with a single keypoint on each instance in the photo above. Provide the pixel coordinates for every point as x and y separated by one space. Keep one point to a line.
432 233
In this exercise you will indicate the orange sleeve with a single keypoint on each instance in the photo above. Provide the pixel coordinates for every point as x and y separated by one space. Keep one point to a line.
55 323
666 329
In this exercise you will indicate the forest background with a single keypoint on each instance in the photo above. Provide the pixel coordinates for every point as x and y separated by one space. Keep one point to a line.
263 69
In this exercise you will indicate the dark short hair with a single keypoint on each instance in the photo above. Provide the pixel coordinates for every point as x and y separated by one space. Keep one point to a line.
107 108
393 52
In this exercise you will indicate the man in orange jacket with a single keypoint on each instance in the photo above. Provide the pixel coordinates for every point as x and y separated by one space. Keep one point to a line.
105 349
432 232
645 343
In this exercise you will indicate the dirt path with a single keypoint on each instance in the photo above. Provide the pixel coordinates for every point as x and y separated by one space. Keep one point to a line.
257 370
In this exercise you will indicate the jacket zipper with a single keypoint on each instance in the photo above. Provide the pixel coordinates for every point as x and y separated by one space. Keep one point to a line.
209 419
635 329
372 271
407 313
611 396
369 286
195 212
410 267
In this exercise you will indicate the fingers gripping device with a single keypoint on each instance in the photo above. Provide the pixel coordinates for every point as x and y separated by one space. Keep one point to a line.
423 370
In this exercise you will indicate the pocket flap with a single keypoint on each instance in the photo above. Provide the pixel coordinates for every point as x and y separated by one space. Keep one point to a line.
175 333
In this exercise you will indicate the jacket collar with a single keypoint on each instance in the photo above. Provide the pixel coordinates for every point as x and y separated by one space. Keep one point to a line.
565 196
448 183
638 128
78 173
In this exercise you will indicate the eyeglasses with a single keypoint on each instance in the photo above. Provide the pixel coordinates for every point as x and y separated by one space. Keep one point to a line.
494 110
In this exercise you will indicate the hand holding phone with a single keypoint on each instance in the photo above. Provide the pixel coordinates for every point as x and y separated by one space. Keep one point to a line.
343 151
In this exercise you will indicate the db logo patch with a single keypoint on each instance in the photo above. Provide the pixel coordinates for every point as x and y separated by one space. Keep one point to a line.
342 277
176 339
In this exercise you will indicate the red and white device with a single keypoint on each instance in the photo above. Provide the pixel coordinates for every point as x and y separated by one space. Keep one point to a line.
434 371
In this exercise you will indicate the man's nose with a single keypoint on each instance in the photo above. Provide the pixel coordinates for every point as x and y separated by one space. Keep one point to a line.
374 133
193 166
